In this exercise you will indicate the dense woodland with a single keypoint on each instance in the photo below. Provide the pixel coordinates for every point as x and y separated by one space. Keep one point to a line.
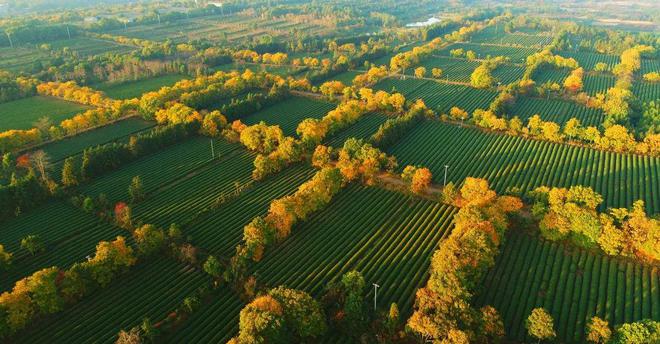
329 172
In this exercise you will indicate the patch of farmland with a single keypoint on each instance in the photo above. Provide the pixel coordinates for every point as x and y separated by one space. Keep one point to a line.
366 126
388 236
221 229
453 69
589 60
346 78
442 97
646 91
516 54
278 70
404 86
508 161
22 59
134 89
489 36
288 113
151 289
68 234
597 83
158 169
183 200
439 96
552 75
572 284
74 145
555 110
22 113
216 321
650 65
507 74
86 46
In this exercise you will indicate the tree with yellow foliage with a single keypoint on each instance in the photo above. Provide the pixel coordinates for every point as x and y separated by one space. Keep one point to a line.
420 72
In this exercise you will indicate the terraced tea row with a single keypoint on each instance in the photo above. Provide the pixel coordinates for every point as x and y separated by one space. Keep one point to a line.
558 111
221 229
68 235
181 201
440 96
514 162
573 285
151 289
288 113
387 236
159 169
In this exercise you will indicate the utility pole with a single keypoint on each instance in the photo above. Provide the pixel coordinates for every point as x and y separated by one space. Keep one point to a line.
376 286
158 18
212 150
67 31
11 45
445 182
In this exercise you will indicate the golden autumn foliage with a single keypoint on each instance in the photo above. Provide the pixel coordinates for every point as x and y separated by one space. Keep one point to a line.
442 308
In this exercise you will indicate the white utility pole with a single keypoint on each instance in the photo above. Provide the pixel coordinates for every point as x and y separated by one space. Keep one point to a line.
11 44
158 18
376 286
67 31
445 182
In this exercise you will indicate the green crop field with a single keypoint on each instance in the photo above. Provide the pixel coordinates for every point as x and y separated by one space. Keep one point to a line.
288 113
388 236
573 285
182 200
496 35
366 126
509 161
516 54
555 110
544 75
118 131
25 58
588 60
255 67
598 83
68 234
124 304
647 91
215 322
22 113
438 95
86 46
453 69
346 78
221 229
158 169
134 89
650 65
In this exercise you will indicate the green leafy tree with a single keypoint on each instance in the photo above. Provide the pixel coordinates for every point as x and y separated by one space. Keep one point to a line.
33 244
69 172
646 331
213 267
136 190
149 239
5 258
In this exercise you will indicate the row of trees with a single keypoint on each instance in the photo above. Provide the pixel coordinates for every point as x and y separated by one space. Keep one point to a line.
570 214
47 291
442 308
12 88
